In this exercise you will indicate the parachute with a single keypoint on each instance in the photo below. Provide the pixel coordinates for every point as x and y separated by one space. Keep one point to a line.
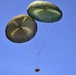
44 11
21 29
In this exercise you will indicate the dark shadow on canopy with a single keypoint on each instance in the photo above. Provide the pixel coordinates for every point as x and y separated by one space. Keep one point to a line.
21 28
44 11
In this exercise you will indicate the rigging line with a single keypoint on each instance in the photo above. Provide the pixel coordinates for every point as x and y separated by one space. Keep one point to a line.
32 54
42 30
37 49
36 59
45 40
29 52
36 43
36 39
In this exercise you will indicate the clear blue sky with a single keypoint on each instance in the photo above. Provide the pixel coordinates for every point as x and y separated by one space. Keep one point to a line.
58 56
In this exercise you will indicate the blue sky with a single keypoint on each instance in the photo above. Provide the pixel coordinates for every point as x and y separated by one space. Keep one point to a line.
58 56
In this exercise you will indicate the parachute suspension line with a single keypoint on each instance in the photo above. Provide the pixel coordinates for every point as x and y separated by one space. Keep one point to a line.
37 59
36 44
45 40
31 53
37 48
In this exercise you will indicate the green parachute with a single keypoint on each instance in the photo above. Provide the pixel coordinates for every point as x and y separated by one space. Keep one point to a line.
21 28
44 11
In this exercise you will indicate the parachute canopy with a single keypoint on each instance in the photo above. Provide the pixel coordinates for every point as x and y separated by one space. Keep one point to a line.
21 28
44 11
